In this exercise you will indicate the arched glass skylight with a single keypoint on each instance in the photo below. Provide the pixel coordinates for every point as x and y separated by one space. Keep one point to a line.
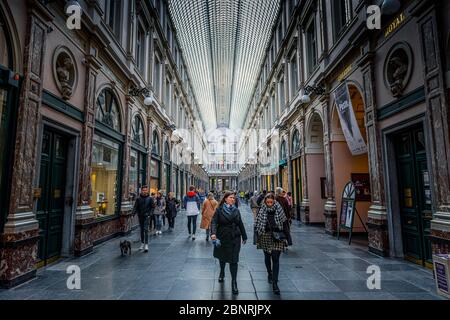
224 43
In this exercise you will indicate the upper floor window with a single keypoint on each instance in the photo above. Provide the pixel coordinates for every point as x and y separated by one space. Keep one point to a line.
342 13
273 107
113 9
295 142
167 98
283 150
138 130
166 151
281 95
311 40
140 48
157 76
155 143
293 74
108 109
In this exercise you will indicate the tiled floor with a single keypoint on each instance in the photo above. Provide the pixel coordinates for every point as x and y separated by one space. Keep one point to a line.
317 267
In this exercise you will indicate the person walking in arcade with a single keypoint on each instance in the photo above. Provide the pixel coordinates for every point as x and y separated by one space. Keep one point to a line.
273 237
228 228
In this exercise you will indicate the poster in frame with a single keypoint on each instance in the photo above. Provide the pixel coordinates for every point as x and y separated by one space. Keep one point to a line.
361 182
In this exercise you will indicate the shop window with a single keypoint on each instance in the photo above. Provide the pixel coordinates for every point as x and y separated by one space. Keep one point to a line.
138 131
5 56
108 110
154 176
136 173
105 176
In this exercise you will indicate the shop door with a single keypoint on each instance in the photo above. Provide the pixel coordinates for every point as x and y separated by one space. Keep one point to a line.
50 209
414 195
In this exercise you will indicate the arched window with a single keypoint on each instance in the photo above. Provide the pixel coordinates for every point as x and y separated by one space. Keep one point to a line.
283 155
5 47
108 109
155 143
296 142
138 130
166 151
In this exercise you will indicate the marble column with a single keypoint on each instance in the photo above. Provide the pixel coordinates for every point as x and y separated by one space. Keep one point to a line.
19 242
304 205
437 123
126 208
85 213
330 205
377 221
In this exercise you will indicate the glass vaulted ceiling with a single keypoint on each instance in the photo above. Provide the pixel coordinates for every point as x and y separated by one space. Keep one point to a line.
224 44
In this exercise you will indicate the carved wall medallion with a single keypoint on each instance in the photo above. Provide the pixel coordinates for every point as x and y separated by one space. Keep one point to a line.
65 72
397 68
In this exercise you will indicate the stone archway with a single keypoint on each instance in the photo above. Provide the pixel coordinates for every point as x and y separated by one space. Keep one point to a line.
315 168
347 166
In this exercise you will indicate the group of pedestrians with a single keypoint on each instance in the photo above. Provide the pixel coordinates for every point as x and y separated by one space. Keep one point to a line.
272 214
152 210
223 223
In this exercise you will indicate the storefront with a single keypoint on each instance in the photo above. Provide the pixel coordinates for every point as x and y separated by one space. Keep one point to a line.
296 173
283 177
106 174
9 90
155 165
167 169
138 158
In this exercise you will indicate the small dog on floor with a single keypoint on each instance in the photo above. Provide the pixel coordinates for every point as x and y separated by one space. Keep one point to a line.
125 247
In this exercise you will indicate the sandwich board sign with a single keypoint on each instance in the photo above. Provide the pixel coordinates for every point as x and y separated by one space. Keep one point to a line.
348 209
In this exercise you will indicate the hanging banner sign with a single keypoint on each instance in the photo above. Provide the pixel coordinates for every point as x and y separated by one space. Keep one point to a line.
349 125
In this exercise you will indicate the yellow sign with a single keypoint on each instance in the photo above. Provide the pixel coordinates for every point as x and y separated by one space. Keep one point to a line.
345 73
394 24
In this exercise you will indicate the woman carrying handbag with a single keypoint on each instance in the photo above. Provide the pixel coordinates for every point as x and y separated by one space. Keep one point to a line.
272 236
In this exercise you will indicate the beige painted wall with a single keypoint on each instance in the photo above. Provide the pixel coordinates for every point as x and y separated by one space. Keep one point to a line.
343 165
315 169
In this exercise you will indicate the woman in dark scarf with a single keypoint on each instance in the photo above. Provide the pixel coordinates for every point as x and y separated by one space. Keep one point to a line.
272 236
227 227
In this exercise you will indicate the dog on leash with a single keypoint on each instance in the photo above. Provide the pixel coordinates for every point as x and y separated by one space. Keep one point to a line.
125 247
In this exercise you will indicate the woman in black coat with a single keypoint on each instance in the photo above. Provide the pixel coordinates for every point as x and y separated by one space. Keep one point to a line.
227 227
172 205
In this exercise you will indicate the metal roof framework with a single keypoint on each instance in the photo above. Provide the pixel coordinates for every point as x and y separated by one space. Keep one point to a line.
224 43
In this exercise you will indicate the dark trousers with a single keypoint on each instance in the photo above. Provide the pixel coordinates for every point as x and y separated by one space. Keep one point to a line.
164 220
171 222
233 270
143 224
192 224
152 222
272 261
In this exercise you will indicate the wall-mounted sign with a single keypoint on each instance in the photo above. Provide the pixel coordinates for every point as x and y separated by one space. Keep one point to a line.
349 125
394 24
345 73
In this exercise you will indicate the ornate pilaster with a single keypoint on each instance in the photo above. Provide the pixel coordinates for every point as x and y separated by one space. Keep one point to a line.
126 206
304 205
377 215
437 123
330 204
18 243
85 214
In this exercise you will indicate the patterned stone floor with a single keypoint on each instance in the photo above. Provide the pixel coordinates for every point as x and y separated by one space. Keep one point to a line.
318 266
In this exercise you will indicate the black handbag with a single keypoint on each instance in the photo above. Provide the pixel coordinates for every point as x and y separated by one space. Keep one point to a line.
279 236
